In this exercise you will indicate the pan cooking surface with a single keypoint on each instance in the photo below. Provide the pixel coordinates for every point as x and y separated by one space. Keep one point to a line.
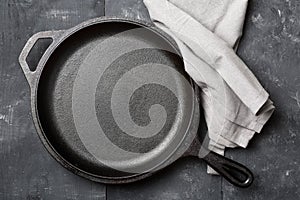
113 100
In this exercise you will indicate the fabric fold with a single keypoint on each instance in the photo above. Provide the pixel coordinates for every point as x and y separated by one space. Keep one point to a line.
235 104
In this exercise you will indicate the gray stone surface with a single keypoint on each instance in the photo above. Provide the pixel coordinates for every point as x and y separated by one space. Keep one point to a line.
270 47
27 171
134 9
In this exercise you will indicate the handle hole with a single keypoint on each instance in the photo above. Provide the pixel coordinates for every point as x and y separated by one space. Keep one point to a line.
237 174
37 51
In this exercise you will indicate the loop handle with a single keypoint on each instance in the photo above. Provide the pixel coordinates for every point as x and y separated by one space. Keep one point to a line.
29 74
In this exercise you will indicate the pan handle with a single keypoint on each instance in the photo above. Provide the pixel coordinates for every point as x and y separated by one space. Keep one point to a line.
232 171
29 74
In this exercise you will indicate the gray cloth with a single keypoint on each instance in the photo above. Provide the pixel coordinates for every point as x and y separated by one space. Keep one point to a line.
235 104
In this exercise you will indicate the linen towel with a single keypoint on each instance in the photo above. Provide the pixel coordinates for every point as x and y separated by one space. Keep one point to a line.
207 33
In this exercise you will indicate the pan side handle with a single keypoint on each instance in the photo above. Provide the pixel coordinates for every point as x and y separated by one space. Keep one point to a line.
31 74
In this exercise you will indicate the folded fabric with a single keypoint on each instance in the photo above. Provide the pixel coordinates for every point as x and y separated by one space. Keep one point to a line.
235 104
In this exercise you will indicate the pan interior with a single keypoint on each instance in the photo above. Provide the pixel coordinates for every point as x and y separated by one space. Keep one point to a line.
113 100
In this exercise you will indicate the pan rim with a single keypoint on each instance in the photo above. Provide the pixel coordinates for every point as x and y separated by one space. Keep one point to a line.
34 100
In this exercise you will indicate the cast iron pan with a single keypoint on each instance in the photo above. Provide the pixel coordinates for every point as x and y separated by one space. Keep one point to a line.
112 103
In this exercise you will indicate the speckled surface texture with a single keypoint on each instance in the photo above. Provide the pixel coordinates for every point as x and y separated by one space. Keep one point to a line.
26 169
270 47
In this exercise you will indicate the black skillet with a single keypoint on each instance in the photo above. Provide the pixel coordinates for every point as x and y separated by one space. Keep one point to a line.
112 103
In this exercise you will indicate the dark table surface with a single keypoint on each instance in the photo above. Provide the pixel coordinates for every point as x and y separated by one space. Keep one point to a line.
271 48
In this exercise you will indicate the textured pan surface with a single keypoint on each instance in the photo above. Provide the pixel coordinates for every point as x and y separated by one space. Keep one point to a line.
113 100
